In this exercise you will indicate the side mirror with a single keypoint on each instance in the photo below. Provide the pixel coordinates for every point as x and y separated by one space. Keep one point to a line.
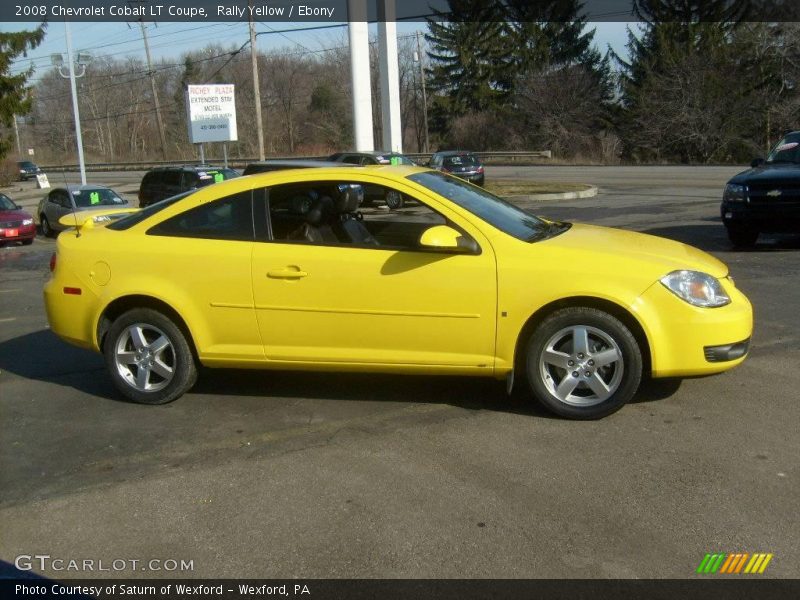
757 162
447 239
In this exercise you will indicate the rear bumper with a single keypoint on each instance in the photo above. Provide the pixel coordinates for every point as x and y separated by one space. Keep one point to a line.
27 232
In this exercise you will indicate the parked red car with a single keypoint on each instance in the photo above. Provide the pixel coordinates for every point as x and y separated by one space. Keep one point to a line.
16 225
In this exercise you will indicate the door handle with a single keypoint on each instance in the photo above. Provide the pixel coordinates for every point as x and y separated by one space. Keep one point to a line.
287 273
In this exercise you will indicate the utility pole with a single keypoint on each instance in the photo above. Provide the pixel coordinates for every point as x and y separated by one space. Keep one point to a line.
16 135
424 91
155 93
256 87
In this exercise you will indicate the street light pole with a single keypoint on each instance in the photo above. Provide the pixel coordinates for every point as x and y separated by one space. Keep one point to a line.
424 91
75 112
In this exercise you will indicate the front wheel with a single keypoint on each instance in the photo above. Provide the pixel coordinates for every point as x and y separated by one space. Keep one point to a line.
47 230
149 358
583 363
394 200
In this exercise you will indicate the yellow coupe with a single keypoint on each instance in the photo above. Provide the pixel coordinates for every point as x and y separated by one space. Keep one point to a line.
285 270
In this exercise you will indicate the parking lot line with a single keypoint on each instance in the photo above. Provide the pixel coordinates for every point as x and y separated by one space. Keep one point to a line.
7 319
9 291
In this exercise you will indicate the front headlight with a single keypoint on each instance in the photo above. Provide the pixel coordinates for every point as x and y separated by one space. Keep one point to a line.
698 289
734 193
27 221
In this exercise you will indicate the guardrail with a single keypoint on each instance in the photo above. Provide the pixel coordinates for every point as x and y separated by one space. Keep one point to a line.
492 158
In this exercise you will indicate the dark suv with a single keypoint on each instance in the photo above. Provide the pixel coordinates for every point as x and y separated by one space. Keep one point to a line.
766 197
164 182
459 163
28 170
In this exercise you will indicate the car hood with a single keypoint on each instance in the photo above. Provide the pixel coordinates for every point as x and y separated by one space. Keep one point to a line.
769 174
13 215
650 256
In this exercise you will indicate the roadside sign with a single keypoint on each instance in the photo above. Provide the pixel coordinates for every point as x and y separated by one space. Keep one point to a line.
41 181
212 113
30 151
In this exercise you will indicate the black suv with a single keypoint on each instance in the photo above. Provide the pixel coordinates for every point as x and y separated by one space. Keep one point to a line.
766 197
164 182
459 163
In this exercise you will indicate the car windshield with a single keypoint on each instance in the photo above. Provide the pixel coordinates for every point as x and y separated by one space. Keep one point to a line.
399 159
88 197
139 216
26 164
787 150
215 176
497 212
6 203
461 160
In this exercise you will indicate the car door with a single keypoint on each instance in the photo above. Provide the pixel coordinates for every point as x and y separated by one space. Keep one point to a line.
383 305
206 252
59 205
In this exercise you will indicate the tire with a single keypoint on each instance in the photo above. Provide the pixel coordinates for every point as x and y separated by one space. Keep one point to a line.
553 363
394 200
742 237
27 242
47 230
141 372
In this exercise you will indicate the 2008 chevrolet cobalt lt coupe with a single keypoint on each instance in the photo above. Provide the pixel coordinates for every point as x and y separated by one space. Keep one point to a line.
283 270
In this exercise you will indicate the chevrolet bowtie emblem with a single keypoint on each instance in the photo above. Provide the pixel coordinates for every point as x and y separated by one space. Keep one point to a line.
774 193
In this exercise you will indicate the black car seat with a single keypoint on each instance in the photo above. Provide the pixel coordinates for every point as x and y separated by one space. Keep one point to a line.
317 229
348 199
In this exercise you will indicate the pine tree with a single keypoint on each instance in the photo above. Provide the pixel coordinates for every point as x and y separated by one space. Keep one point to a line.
15 94
471 60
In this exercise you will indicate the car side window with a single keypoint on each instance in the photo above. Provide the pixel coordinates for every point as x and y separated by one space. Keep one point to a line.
60 199
230 218
352 159
190 180
348 214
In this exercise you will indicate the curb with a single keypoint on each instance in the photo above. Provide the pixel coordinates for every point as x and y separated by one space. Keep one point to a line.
590 192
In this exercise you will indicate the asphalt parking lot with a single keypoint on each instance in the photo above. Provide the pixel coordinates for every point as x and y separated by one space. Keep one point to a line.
265 474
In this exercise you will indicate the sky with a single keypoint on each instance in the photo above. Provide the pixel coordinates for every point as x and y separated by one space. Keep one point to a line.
171 40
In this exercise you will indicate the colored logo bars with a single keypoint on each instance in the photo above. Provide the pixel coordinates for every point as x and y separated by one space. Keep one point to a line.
735 563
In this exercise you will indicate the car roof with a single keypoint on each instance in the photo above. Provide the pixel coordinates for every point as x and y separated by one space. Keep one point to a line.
305 162
72 187
369 153
455 152
189 167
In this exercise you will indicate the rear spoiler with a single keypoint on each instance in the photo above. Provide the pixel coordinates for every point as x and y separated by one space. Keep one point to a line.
86 219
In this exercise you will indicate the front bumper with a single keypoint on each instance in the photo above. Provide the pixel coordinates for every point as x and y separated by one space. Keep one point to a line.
767 219
687 340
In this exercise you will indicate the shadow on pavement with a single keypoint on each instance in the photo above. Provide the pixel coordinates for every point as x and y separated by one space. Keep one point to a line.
713 238
42 356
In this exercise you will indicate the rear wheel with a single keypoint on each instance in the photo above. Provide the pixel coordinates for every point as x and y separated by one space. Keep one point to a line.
148 357
583 363
27 242
742 237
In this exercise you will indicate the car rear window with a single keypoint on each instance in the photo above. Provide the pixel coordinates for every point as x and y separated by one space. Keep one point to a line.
461 160
215 176
86 198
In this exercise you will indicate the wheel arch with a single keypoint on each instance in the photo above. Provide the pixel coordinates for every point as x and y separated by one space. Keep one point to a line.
616 310
121 305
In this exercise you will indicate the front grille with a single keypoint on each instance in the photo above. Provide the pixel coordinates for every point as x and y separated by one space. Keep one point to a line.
782 193
10 224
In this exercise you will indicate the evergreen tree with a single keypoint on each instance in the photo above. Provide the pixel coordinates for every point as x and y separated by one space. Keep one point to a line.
682 54
15 96
471 60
